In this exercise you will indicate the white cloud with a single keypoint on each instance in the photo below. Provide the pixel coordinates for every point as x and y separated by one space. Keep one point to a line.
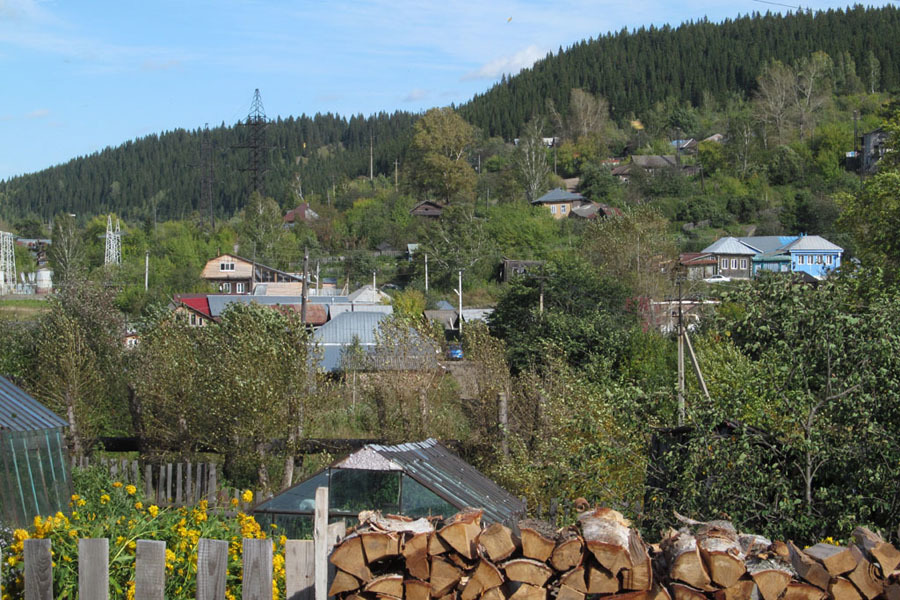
416 95
39 113
509 65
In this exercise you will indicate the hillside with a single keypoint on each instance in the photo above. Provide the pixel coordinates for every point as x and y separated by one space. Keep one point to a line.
157 177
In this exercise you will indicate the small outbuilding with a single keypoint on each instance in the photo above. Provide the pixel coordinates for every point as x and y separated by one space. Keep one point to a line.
34 479
417 479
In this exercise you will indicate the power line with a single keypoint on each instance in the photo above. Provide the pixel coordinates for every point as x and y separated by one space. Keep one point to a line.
799 8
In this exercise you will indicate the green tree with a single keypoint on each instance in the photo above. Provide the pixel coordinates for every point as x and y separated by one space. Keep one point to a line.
66 253
531 161
439 151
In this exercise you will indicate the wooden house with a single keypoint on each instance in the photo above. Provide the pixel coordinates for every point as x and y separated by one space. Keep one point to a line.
559 202
231 273
427 209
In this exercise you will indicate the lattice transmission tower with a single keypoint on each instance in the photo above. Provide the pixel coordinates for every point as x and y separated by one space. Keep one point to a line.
258 154
7 263
207 177
113 243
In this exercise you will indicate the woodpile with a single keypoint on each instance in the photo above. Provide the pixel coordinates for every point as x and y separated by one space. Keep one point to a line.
396 558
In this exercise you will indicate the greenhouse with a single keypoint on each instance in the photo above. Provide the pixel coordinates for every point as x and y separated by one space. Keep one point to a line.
33 475
417 479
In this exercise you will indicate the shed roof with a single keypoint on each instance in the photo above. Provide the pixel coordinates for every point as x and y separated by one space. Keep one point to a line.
729 245
345 327
21 412
812 242
558 195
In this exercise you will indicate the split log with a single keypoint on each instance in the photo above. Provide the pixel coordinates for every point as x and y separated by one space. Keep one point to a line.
575 579
742 589
639 577
386 585
658 592
684 562
877 550
444 576
462 532
378 545
343 582
753 544
567 554
375 521
681 591
496 593
527 570
808 569
770 576
841 588
567 593
529 592
835 559
606 533
803 591
416 590
437 545
864 576
498 541
601 580
348 556
536 545
487 576
722 554
415 553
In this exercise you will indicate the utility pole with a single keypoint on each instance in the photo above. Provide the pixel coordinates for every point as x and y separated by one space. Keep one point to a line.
318 287
680 330
371 157
305 297
426 273
373 281
147 271
459 293
396 173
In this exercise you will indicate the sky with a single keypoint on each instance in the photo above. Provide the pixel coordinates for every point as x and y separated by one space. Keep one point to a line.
77 76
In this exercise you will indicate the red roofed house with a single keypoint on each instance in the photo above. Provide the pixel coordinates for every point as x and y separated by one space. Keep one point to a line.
194 307
302 213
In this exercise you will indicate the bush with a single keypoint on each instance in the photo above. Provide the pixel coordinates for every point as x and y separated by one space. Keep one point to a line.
101 508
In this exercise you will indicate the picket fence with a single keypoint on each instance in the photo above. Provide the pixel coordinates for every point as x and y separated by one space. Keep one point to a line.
307 571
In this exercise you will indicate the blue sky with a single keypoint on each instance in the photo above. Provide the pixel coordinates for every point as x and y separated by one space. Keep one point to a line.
79 75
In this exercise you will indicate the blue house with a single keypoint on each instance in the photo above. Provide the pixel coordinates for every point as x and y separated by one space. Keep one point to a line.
810 254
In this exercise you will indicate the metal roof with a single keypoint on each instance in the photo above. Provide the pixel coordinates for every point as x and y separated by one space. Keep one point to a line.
558 195
345 327
443 305
21 412
813 242
729 245
767 243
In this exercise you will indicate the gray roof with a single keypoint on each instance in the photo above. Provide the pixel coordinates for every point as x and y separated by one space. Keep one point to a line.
767 243
447 318
655 161
443 472
558 195
731 246
443 305
21 412
347 326
476 314
338 308
219 302
813 242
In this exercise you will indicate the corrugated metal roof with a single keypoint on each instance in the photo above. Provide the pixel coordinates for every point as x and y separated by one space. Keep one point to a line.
767 243
558 195
813 242
338 308
21 412
345 327
729 245
439 469
443 305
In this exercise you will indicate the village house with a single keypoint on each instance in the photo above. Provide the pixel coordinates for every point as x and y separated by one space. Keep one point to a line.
427 209
559 201
302 213
745 257
231 273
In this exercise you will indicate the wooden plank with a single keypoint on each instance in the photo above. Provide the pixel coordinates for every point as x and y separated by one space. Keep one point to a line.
299 569
38 570
161 485
188 495
93 569
199 481
320 533
212 566
257 558
211 489
168 498
148 481
150 570
178 476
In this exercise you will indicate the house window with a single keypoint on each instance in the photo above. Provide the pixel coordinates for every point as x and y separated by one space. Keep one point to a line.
724 264
193 319
562 209
743 263
829 259
200 321
801 260
225 286
226 266
552 209
818 259
239 287
734 263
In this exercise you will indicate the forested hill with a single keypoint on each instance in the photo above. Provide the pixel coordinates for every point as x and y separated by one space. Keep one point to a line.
633 70
159 175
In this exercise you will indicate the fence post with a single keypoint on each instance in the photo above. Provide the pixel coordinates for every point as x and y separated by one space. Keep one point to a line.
320 537
150 570
187 481
257 558
211 490
299 570
148 481
161 486
168 498
93 569
212 565
38 570
178 477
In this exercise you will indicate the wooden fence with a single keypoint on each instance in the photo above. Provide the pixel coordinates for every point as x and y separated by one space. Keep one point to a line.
170 484
306 565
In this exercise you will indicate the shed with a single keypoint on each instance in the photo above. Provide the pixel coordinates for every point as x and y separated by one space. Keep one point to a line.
416 479
34 479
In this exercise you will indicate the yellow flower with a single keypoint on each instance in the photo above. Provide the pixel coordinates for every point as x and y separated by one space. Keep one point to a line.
130 489
104 498
153 510
234 501
75 497
20 535
247 496
82 502
12 560
139 505
117 484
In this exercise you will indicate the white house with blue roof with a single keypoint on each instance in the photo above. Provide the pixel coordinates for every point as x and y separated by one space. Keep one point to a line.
746 256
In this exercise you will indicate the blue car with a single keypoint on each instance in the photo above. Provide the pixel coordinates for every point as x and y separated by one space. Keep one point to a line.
454 352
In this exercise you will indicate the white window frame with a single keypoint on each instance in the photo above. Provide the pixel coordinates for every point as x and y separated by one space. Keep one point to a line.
819 259
724 264
552 209
829 259
239 287
562 209
193 320
226 266
734 264
743 263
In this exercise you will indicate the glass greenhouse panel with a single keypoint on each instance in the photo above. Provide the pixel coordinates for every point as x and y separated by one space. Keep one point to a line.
354 490
419 501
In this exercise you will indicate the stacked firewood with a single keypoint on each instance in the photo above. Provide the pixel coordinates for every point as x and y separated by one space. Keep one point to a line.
396 558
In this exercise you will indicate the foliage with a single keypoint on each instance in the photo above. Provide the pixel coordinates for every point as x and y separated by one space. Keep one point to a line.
108 509
439 149
531 161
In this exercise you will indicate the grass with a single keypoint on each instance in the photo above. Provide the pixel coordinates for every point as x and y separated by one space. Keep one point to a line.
22 309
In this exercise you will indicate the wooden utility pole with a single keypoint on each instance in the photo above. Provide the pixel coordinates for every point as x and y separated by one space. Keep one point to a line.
371 157
426 273
305 297
396 172
680 330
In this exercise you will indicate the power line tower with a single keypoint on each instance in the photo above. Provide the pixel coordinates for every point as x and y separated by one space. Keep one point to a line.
113 243
7 263
256 125
207 177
